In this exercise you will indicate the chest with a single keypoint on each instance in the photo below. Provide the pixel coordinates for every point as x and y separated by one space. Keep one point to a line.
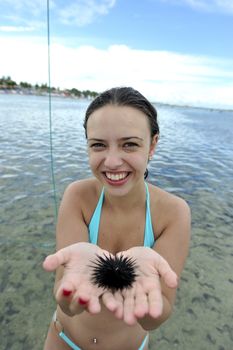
121 231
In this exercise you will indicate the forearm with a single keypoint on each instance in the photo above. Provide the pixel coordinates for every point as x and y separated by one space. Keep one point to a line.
149 323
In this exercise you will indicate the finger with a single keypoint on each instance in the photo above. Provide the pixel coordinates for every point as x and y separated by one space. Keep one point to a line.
165 271
80 297
129 304
75 307
91 305
53 261
64 296
94 306
110 301
141 302
155 301
65 291
119 312
78 305
86 297
83 294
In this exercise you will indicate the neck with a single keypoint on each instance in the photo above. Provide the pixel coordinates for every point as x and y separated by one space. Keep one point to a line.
131 200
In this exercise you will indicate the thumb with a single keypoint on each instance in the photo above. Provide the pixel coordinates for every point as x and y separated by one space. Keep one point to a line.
53 261
166 272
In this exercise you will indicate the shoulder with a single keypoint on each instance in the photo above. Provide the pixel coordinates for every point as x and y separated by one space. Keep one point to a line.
82 188
168 209
165 200
82 196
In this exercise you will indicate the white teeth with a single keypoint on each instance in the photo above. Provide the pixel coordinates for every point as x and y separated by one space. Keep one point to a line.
116 177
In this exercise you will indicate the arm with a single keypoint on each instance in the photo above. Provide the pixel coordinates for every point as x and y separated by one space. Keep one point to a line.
173 245
71 227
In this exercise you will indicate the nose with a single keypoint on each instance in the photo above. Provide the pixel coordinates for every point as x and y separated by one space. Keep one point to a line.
113 160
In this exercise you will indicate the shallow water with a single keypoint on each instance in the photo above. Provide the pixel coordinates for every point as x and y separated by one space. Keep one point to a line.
194 160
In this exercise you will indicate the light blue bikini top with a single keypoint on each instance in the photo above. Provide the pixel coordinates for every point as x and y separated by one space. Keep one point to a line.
149 239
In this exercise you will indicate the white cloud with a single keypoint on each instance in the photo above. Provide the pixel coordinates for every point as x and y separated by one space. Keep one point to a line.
35 7
83 12
22 15
225 6
160 75
73 12
11 29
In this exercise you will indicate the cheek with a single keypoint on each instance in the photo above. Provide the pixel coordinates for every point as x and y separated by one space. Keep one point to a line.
94 160
144 160
138 161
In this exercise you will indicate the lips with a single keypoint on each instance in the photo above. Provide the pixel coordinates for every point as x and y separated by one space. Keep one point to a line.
119 178
116 176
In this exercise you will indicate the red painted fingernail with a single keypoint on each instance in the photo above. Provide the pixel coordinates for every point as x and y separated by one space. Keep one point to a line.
82 301
66 292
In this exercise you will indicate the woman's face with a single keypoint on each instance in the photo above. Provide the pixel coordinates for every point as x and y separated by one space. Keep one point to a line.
119 145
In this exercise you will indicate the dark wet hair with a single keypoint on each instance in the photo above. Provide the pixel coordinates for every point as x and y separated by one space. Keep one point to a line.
125 96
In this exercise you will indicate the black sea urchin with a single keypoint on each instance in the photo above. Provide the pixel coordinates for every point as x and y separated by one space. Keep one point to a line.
114 273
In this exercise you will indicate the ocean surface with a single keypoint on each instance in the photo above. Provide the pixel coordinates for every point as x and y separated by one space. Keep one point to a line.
194 160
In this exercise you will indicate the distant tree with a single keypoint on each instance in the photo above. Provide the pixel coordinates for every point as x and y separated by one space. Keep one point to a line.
8 82
94 94
86 93
24 84
11 84
44 86
75 92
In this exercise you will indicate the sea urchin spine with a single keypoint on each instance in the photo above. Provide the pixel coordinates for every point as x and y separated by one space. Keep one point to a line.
114 273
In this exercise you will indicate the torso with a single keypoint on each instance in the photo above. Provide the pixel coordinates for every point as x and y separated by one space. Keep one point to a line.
118 231
110 333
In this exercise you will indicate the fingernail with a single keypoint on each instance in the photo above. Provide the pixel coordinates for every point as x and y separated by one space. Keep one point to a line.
82 301
66 292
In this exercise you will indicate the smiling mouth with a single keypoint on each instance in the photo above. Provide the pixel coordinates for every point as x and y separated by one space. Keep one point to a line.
116 176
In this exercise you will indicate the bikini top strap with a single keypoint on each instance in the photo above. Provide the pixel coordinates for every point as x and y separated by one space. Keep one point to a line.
95 220
149 239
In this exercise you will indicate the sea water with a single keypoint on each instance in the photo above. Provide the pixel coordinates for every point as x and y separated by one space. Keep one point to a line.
194 160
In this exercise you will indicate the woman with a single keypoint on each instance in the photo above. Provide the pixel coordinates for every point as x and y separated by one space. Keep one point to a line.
116 213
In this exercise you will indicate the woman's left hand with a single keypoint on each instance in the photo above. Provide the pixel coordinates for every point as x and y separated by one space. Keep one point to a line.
145 296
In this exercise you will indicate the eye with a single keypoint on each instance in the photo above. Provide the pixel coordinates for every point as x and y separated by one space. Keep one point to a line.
97 146
130 146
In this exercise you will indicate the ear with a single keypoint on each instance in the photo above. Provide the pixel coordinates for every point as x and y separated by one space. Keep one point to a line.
153 145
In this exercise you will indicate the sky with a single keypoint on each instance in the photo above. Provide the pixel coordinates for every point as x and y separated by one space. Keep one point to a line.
172 51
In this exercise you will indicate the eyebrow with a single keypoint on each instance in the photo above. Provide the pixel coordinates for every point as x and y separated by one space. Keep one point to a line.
121 139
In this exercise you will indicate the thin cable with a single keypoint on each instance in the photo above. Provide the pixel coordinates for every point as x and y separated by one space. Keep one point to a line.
50 115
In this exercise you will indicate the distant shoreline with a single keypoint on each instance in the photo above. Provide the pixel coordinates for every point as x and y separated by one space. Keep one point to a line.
9 86
35 92
67 94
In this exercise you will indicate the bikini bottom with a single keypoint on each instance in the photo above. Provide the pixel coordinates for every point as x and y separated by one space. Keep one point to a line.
73 346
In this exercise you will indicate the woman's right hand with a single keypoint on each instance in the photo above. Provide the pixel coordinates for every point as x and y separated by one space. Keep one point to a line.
75 291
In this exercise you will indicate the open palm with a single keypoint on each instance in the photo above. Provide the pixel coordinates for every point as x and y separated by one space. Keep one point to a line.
145 296
75 289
